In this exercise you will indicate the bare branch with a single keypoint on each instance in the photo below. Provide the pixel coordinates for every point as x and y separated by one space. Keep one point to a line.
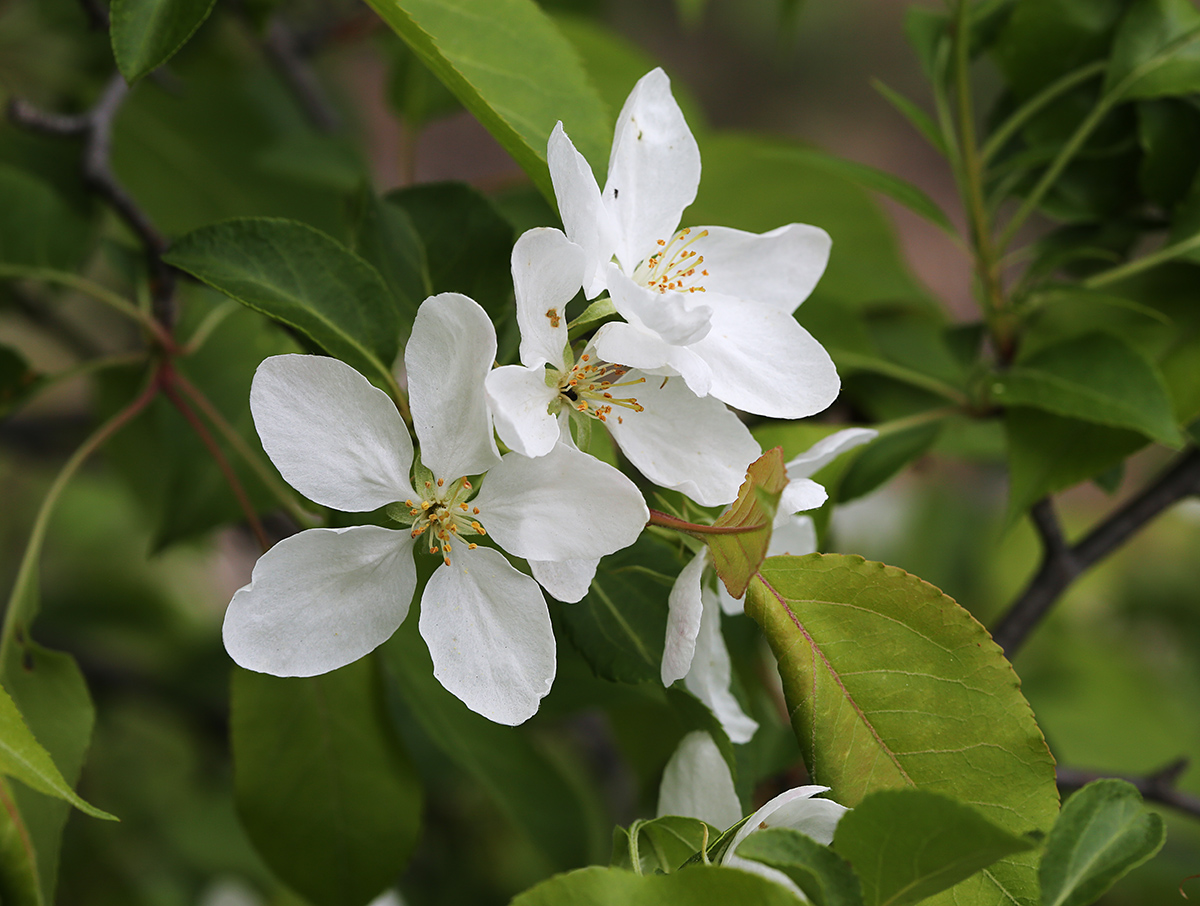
96 128
1157 787
1063 563
289 57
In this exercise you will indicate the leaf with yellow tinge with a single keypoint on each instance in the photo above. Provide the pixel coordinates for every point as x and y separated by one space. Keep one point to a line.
738 552
890 683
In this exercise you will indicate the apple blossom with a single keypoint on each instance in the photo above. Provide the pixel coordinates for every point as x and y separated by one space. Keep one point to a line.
711 304
325 597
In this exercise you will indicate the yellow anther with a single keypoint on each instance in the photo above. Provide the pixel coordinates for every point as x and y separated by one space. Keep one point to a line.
475 511
441 481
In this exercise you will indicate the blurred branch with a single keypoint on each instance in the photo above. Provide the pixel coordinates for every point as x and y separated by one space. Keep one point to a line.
290 58
1062 563
1157 787
70 336
95 127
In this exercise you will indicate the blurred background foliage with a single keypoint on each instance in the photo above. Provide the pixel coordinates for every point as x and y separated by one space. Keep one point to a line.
141 556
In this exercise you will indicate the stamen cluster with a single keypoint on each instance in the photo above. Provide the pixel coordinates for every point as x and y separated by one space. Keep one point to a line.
670 268
445 512
587 387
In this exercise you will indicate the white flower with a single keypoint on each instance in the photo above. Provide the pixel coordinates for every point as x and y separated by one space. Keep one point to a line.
694 650
697 784
325 597
711 304
678 440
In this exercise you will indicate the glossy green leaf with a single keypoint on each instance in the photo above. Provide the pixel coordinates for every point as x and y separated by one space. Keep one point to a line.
507 64
891 684
1096 378
302 278
661 844
1048 453
384 236
322 784
1160 39
910 844
147 33
736 556
696 886
17 380
37 227
22 757
755 183
826 878
621 623
526 784
1104 831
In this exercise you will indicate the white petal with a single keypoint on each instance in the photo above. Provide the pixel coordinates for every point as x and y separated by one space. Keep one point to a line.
547 271
764 362
653 171
795 535
800 494
334 437
520 401
678 318
696 783
565 505
684 610
711 673
566 580
321 599
450 352
625 344
827 449
779 268
796 809
489 635
691 444
588 222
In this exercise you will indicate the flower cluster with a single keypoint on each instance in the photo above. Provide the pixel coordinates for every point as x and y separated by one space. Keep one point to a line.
692 322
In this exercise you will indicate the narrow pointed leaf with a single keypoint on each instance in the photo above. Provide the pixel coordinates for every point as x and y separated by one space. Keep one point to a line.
511 67
146 33
737 556
24 758
910 844
1104 831
891 684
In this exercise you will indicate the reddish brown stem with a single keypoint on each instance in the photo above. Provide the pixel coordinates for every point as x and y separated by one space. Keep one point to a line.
666 520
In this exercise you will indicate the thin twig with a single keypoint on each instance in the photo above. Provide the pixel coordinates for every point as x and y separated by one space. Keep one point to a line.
1062 563
95 127
289 58
54 324
1157 787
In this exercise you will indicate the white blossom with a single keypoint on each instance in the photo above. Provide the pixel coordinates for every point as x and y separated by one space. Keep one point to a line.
325 597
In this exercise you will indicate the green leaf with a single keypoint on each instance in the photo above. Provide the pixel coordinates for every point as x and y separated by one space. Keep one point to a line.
755 183
1096 378
890 683
1104 832
917 118
302 278
621 623
17 380
703 885
736 556
37 227
414 92
1044 40
885 457
662 844
527 785
147 33
1169 133
23 758
1048 453
384 236
910 844
323 786
508 64
825 878
1161 38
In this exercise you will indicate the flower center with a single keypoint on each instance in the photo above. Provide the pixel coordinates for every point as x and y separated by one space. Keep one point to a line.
445 513
588 387
673 267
